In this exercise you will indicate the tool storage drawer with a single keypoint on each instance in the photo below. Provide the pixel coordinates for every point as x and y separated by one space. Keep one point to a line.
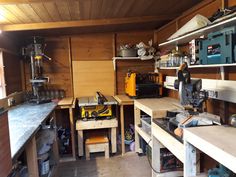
5 150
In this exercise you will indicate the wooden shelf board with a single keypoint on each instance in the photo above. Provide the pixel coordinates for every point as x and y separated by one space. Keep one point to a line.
200 175
202 66
126 58
144 135
202 31
170 174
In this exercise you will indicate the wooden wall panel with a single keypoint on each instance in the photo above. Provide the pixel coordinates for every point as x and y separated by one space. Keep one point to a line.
207 11
206 8
5 150
231 3
122 68
92 47
133 37
58 69
92 76
164 33
12 72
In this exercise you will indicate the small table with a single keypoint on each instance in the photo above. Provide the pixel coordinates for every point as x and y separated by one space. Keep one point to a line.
81 125
69 103
123 100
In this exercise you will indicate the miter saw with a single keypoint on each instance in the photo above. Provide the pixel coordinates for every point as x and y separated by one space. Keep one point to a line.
190 93
192 98
35 51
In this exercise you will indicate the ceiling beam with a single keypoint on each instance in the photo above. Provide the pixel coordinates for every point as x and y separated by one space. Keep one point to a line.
85 23
4 2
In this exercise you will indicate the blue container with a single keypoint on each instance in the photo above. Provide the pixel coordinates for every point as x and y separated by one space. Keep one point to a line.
219 47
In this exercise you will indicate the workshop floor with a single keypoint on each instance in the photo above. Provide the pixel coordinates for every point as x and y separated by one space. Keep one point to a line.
130 165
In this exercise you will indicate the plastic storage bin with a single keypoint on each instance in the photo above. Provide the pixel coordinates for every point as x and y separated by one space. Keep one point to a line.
146 124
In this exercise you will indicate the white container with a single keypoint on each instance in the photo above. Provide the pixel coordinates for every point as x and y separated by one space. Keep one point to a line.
146 124
44 167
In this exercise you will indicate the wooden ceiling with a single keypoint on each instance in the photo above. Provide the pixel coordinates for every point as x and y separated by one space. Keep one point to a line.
66 13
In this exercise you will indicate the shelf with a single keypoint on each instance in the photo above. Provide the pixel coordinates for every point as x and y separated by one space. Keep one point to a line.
203 66
170 174
128 58
200 175
202 31
144 135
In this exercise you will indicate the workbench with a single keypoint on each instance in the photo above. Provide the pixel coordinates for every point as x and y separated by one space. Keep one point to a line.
81 125
69 103
157 108
215 141
25 121
123 100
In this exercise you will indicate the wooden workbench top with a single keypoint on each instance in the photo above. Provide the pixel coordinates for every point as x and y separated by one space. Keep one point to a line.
216 141
66 101
157 107
124 100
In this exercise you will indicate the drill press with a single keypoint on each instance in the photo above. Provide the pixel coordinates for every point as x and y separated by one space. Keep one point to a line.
35 51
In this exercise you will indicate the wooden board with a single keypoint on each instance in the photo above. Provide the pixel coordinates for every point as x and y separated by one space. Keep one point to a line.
5 150
92 76
66 101
88 125
157 107
58 69
31 11
215 141
124 100
92 47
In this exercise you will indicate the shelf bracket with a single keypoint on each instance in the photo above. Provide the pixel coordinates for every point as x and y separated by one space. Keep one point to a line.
222 72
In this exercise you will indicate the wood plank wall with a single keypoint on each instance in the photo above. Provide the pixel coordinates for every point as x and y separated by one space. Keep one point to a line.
206 8
58 69
90 51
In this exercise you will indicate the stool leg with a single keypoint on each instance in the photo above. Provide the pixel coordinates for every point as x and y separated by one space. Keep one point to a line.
106 150
87 152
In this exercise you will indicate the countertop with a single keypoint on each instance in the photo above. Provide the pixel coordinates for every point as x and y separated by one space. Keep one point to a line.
24 121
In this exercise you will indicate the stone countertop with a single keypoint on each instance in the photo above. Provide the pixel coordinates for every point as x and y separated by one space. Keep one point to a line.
24 121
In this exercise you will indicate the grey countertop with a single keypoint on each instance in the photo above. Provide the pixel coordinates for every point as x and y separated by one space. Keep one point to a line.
24 121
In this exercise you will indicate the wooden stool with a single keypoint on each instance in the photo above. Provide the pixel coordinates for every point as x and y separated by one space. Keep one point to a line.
97 144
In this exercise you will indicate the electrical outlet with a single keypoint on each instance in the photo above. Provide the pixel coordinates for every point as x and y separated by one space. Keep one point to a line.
212 94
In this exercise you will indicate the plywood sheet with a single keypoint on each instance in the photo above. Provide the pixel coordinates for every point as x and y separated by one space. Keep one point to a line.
92 47
92 76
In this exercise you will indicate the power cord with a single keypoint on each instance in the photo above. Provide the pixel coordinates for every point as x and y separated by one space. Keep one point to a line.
150 164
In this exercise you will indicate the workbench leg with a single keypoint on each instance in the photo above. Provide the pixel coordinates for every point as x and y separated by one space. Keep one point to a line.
72 131
156 155
122 126
55 144
80 143
113 140
137 114
32 160
191 165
